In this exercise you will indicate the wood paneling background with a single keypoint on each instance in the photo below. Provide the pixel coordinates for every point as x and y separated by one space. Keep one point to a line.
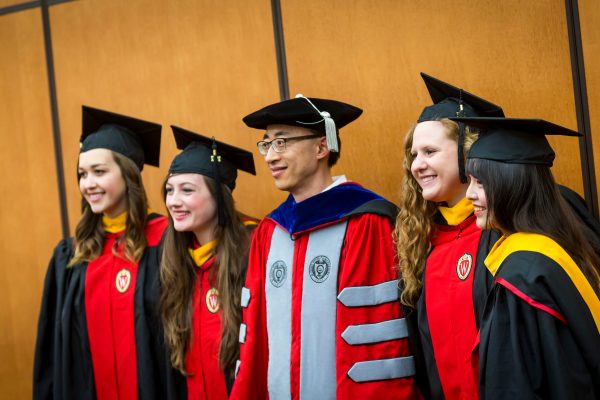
204 64
355 50
201 65
6 3
29 210
589 15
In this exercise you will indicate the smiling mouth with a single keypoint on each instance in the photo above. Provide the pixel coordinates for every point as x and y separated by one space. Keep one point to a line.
428 179
94 197
277 171
179 215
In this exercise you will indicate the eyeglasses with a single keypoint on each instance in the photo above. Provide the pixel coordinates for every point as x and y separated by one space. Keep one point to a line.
279 145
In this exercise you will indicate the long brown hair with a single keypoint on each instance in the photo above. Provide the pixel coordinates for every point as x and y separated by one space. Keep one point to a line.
414 221
178 278
89 235
525 198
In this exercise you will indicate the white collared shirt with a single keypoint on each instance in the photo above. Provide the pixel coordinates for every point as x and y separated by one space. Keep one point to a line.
337 180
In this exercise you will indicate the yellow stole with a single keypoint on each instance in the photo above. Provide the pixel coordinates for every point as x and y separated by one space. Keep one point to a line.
457 214
537 243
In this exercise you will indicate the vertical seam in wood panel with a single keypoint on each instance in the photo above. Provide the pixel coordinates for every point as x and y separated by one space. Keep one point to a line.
586 149
60 176
284 91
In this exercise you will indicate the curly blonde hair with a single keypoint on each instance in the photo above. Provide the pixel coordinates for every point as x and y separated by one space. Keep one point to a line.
414 222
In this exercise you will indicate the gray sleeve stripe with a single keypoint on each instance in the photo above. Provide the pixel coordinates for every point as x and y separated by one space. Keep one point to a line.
245 297
361 296
242 333
377 370
375 333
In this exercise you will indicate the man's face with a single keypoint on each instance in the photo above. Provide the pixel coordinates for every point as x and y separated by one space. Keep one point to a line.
295 167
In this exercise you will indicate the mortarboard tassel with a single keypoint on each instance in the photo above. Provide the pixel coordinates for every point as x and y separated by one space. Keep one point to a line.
461 157
216 159
461 141
330 130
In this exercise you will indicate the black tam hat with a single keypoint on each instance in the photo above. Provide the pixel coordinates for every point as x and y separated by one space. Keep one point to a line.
514 140
209 157
133 138
325 116
451 102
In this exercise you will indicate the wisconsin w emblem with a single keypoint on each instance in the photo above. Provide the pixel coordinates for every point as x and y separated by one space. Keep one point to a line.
123 280
212 300
319 268
463 266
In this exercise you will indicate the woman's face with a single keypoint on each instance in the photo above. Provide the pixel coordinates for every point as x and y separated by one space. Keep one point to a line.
476 194
435 163
191 205
101 182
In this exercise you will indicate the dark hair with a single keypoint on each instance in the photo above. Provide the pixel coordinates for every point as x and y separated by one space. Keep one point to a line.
178 279
333 157
525 198
89 235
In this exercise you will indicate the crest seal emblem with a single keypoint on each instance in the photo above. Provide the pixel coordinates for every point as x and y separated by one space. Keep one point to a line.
464 266
278 273
212 300
123 280
319 269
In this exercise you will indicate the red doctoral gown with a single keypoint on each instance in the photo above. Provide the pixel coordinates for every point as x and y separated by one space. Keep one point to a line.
321 312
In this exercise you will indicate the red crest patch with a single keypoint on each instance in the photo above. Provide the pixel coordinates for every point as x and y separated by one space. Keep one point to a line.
212 300
123 280
464 266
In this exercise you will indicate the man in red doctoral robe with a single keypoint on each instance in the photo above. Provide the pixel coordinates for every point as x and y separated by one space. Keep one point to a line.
321 317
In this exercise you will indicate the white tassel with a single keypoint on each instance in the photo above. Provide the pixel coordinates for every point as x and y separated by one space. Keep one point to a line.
330 130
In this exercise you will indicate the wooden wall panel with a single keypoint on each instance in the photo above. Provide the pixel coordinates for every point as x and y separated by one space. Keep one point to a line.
201 65
204 64
369 53
589 14
8 3
29 205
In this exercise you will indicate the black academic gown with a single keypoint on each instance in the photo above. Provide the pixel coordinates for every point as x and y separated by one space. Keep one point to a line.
63 362
539 337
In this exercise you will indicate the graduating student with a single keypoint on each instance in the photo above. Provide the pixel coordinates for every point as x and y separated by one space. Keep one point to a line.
98 320
321 317
540 332
203 264
440 248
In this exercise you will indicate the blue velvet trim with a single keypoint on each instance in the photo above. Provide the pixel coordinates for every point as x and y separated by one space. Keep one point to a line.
323 208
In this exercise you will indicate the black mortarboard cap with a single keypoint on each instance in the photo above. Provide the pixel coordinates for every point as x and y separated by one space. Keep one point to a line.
197 157
209 157
134 138
448 100
322 115
514 140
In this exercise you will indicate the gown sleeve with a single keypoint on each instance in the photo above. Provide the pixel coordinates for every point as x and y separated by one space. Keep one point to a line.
251 380
46 370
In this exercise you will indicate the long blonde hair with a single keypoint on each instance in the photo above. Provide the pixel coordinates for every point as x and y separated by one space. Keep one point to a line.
178 277
89 235
414 222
